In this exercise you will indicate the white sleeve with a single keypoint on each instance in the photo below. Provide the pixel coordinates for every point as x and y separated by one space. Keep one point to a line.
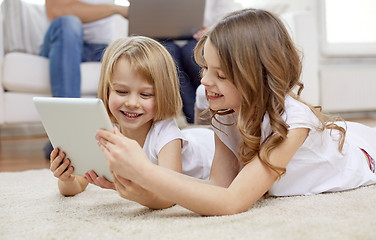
299 115
166 131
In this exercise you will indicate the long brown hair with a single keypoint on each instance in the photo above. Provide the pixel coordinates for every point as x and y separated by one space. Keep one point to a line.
258 56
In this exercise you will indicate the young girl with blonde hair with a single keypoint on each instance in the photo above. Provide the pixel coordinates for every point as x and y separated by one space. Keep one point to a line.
267 140
140 90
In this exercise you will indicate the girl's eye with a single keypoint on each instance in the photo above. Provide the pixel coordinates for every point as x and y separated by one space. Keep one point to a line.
146 95
221 77
121 92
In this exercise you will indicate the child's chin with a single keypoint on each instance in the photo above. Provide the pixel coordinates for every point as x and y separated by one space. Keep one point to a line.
215 107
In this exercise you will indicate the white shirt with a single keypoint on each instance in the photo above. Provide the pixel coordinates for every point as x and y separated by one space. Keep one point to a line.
100 31
317 166
197 150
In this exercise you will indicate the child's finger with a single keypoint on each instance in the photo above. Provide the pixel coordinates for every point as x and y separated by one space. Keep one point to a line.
54 153
67 174
105 183
92 175
56 161
103 144
88 178
62 168
123 181
104 134
104 149
107 156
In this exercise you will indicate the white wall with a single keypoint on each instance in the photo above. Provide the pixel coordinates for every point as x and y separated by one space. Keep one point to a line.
281 6
120 2
343 84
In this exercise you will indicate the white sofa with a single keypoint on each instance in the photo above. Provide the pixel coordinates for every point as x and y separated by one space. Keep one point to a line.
26 75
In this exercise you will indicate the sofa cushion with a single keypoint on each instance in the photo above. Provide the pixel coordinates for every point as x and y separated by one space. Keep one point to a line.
24 26
30 74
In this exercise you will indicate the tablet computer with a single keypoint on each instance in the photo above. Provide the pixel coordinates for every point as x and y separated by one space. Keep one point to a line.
71 125
166 19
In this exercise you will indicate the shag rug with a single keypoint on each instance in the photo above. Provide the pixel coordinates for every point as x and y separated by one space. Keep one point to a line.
31 207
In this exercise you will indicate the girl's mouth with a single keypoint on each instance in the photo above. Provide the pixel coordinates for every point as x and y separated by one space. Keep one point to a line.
213 95
131 115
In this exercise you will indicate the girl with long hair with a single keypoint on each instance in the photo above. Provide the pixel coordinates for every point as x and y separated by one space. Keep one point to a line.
267 140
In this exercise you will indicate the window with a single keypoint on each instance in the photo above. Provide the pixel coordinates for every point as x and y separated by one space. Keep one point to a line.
348 27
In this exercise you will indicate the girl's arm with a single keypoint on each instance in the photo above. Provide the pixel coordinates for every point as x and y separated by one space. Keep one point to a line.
85 11
249 185
225 166
170 158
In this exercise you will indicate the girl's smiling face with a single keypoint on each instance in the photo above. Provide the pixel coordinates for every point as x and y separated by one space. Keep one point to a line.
131 99
220 92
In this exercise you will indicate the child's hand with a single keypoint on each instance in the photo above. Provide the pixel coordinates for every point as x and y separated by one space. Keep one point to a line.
132 191
93 178
121 153
59 166
128 164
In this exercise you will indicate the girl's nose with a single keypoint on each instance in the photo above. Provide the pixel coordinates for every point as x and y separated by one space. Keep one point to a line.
132 101
205 80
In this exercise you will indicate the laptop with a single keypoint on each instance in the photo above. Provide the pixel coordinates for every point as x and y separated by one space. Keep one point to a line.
71 125
165 19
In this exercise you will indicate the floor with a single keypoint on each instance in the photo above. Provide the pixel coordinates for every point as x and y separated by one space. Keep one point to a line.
21 146
22 153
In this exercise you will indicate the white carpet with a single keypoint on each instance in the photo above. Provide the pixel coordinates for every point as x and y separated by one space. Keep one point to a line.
32 208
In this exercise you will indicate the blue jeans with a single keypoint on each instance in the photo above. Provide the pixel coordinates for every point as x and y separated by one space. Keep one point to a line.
188 72
64 46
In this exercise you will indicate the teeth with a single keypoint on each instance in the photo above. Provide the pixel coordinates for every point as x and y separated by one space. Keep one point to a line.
212 94
133 115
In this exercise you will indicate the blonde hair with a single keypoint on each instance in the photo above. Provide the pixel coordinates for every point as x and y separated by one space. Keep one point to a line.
150 59
258 56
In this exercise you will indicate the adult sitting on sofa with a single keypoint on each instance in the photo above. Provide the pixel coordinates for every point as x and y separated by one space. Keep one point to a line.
24 74
79 32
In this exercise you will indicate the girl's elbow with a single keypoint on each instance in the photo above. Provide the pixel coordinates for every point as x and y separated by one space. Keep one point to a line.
232 207
232 210
160 207
225 212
